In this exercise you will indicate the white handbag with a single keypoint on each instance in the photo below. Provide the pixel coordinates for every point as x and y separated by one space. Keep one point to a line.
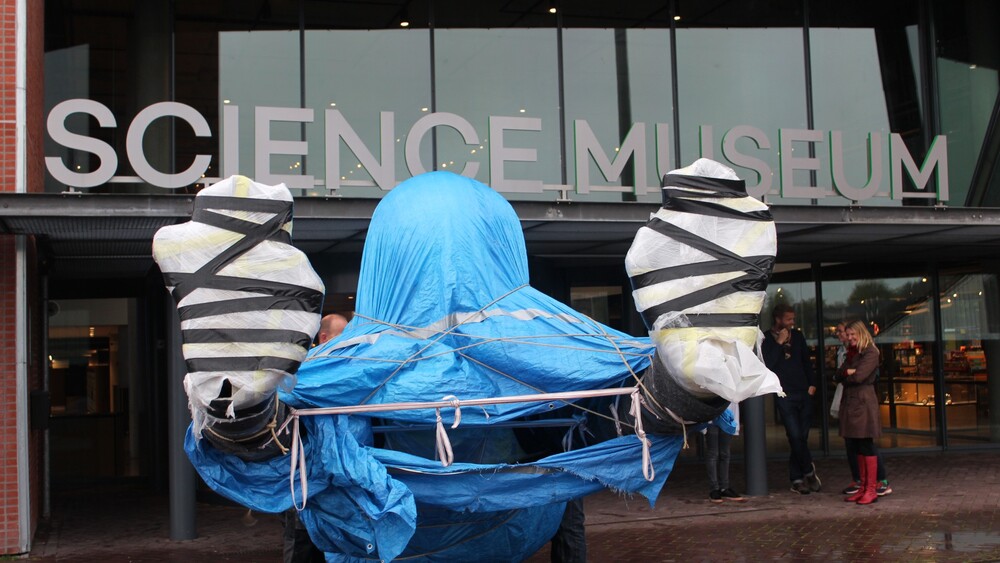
835 405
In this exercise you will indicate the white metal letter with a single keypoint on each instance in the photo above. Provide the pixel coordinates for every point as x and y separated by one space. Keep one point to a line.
430 121
937 159
500 153
136 156
789 164
765 176
56 125
587 145
337 128
266 146
870 189
230 140
662 151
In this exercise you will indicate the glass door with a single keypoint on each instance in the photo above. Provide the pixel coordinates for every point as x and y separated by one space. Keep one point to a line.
899 313
969 321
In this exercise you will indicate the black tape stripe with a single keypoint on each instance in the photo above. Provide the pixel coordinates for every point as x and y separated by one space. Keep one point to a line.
715 320
242 363
673 231
211 268
267 287
239 225
671 273
275 303
254 335
252 204
712 209
747 282
715 187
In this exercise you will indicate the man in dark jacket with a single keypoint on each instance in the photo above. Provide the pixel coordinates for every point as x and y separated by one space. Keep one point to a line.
786 354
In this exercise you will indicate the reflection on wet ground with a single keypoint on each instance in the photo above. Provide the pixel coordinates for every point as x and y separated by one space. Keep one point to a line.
945 507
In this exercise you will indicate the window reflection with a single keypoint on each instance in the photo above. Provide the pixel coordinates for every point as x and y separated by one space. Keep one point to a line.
375 85
618 83
503 85
972 356
900 315
745 77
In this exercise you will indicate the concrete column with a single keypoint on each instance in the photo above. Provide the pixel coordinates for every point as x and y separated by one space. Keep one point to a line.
755 445
182 476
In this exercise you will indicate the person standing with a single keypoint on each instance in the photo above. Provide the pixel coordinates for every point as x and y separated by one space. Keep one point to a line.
298 547
882 488
787 355
859 417
717 442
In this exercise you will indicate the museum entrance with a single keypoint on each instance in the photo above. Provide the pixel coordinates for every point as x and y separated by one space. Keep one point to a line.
102 391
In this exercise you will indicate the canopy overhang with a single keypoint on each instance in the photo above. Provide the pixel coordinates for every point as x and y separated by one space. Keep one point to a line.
104 235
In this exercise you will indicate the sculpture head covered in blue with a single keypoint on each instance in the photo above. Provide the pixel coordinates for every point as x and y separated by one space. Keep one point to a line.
444 243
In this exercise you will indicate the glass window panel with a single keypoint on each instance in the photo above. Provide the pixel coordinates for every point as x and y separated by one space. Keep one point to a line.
258 70
505 80
970 325
866 79
802 298
900 315
754 78
357 75
88 56
849 101
967 65
601 303
617 82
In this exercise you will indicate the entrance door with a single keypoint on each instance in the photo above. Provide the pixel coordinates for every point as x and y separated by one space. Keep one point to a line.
94 386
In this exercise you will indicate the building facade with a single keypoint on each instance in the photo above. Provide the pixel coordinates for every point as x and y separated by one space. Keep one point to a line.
870 128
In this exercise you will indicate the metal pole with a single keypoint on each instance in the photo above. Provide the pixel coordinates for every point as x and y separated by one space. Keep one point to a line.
182 476
755 445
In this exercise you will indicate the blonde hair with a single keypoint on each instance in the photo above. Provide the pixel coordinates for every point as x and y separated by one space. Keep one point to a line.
864 337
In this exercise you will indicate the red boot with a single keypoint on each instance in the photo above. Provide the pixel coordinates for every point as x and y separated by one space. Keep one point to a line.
863 473
870 479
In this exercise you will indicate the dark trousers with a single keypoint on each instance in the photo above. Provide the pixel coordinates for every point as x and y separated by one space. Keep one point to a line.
569 545
851 445
717 457
796 413
298 548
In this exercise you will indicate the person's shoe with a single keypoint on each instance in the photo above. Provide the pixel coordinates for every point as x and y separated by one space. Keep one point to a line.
800 487
882 488
729 494
715 495
851 489
812 480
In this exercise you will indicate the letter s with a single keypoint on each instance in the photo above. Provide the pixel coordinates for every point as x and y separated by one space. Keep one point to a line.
56 126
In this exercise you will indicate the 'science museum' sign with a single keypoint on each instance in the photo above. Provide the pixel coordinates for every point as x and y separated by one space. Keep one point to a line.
383 171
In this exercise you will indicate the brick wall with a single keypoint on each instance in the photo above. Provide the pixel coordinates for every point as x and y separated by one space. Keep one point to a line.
9 516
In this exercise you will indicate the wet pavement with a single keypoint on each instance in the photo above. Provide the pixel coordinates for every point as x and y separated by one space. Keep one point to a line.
944 507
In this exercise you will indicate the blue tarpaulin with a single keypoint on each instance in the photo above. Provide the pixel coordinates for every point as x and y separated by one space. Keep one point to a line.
445 308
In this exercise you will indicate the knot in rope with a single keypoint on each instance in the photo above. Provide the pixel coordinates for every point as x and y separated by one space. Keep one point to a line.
441 441
298 461
636 411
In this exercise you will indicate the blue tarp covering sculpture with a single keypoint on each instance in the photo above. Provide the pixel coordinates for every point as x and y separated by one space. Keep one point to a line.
444 310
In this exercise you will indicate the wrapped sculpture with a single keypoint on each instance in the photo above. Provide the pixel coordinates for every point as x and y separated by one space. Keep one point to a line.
249 305
699 269
445 316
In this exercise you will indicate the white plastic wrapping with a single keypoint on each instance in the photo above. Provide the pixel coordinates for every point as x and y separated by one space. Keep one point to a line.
250 320
707 360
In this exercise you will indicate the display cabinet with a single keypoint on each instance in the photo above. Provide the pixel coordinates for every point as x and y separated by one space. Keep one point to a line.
908 397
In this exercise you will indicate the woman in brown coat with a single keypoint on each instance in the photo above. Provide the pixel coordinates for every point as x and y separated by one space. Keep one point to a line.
859 414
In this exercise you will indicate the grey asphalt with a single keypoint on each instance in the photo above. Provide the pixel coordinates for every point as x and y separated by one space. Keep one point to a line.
944 507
